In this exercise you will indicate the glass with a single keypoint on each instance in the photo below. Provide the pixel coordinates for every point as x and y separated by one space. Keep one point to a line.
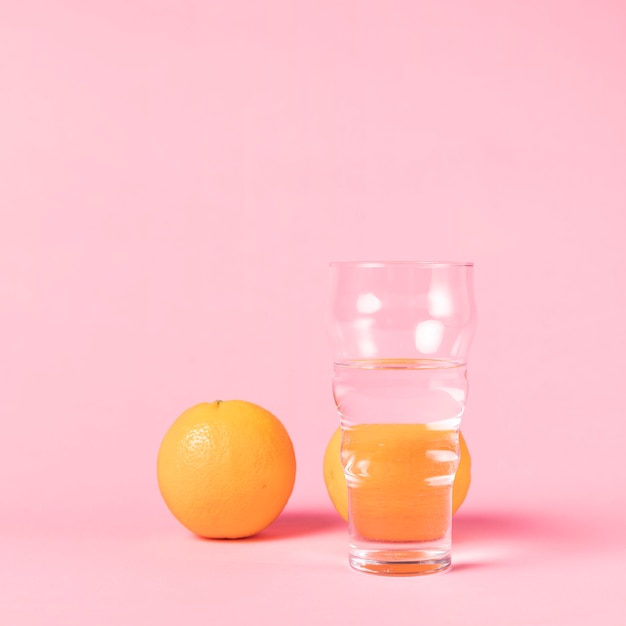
400 333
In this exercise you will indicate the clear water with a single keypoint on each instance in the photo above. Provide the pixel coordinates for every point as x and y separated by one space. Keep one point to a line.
400 391
400 421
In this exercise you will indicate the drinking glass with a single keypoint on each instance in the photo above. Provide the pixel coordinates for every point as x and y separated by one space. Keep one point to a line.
400 333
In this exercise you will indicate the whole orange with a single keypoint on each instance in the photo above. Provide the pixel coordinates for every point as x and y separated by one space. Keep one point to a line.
226 469
337 488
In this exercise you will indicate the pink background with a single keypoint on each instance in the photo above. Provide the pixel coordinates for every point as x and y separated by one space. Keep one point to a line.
176 175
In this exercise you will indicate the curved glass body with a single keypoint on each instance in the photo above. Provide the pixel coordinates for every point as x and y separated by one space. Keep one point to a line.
400 333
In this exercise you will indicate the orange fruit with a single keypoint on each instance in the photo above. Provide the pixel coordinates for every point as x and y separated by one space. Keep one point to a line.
226 469
337 488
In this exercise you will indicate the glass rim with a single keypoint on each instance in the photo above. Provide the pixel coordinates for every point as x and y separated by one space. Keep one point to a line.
379 264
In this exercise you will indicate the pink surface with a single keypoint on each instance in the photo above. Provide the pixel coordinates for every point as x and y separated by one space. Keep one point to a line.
174 179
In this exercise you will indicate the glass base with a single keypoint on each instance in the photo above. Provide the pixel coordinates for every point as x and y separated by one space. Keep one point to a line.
389 562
